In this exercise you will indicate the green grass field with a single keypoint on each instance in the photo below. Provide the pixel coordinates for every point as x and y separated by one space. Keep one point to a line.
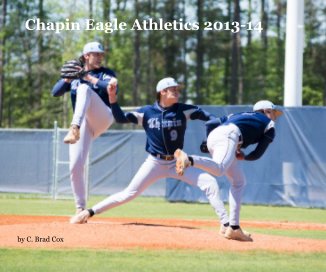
171 261
162 260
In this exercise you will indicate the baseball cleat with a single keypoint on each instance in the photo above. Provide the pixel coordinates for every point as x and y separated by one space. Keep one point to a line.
79 210
222 230
73 135
182 161
238 235
246 233
80 218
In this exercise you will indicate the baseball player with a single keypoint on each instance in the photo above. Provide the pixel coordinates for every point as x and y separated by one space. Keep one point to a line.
165 124
227 137
92 114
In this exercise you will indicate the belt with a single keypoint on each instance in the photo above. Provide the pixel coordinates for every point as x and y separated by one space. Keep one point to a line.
164 157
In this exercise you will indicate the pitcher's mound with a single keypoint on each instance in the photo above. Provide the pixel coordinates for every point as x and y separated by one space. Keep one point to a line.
122 233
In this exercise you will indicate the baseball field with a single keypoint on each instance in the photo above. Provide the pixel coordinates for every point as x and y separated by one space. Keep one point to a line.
150 234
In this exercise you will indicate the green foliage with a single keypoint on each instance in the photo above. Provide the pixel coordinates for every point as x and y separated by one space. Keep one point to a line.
32 59
312 97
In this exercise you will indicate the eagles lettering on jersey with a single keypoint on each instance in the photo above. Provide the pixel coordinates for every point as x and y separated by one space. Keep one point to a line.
154 123
162 138
171 123
165 127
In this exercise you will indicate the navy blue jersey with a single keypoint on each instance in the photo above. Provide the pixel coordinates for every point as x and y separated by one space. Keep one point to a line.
255 127
165 127
103 74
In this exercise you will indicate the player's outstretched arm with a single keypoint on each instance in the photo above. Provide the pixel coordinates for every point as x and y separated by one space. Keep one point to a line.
200 114
117 112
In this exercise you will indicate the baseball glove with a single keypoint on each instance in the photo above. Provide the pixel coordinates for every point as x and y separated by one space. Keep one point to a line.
73 69
203 147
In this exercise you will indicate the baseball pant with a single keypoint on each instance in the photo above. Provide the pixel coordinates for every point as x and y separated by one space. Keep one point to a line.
154 169
222 144
94 117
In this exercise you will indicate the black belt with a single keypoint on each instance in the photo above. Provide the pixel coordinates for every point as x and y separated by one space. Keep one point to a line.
164 157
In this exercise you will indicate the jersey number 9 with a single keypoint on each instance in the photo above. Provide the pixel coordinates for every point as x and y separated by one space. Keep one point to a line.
173 135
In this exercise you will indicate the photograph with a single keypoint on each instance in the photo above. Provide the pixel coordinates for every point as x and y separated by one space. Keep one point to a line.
163 135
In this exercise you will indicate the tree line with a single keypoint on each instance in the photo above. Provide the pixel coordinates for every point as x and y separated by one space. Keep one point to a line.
216 65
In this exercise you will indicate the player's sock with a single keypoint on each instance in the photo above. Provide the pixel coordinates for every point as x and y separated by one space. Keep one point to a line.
191 160
226 224
235 227
91 212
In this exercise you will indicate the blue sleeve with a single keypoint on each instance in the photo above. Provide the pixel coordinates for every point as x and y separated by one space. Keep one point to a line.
201 114
122 117
60 88
214 123
102 84
261 146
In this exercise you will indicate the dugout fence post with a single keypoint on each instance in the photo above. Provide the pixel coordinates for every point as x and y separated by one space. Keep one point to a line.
55 160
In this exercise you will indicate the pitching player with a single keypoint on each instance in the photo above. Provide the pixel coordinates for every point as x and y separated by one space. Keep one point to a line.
92 113
165 126
227 136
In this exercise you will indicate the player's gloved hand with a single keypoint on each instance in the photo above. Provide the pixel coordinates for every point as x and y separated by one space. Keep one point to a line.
73 69
203 147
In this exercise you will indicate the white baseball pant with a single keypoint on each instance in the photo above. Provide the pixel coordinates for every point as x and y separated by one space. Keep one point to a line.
154 169
222 144
93 117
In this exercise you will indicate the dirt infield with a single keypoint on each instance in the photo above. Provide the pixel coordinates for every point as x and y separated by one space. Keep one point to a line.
121 233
